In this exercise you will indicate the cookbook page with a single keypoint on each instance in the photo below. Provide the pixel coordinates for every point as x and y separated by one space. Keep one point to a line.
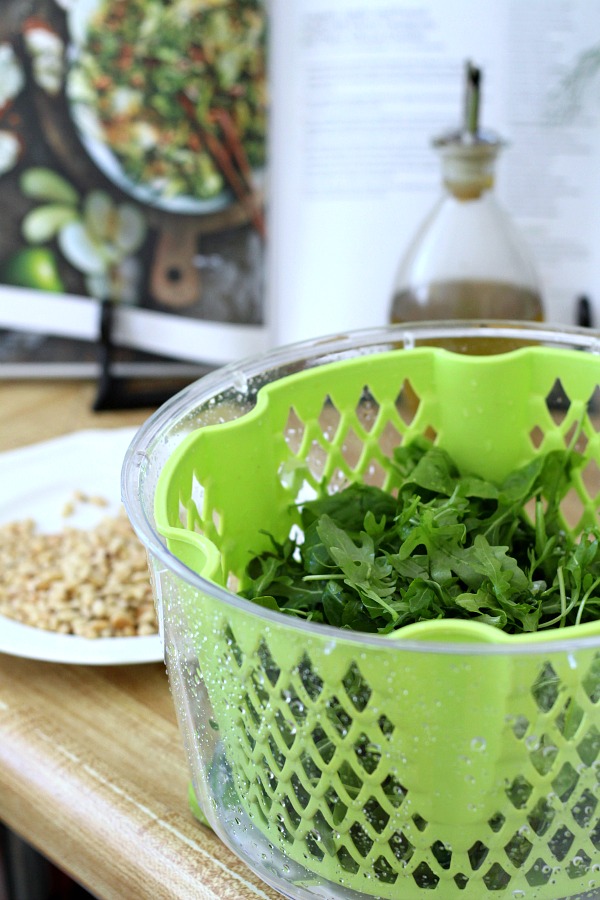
132 178
357 94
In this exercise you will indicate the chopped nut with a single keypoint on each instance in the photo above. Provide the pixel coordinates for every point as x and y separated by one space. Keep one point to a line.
121 620
98 501
91 583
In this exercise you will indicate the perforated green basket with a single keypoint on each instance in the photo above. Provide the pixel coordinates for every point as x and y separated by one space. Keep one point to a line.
386 767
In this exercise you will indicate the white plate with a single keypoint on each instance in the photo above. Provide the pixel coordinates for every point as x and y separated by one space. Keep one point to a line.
36 482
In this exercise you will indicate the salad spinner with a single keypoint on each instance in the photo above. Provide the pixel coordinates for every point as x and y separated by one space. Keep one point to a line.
446 760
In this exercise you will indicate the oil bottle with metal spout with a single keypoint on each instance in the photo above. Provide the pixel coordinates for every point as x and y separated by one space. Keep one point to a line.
467 261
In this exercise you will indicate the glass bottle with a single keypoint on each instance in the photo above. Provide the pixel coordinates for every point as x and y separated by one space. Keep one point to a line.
467 261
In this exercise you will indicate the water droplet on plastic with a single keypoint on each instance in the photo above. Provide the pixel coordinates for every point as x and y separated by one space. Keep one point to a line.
240 382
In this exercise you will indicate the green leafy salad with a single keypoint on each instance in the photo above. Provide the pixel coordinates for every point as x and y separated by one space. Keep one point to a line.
139 56
448 545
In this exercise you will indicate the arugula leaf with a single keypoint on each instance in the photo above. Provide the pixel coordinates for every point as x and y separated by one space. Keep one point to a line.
349 507
449 545
365 573
435 473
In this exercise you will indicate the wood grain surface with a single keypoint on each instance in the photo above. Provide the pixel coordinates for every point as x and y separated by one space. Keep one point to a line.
92 768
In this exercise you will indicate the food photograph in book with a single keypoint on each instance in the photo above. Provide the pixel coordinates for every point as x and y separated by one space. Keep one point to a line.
133 161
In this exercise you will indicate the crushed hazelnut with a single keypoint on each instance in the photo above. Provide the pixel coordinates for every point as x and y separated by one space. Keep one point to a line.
92 583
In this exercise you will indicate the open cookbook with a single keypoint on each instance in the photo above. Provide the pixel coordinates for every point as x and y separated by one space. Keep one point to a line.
232 176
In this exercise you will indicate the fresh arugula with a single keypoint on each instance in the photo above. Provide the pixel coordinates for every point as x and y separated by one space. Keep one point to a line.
449 545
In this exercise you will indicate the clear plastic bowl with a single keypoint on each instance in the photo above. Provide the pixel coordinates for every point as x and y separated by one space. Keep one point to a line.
343 765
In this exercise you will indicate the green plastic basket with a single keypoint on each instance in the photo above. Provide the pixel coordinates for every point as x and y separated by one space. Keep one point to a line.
467 767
